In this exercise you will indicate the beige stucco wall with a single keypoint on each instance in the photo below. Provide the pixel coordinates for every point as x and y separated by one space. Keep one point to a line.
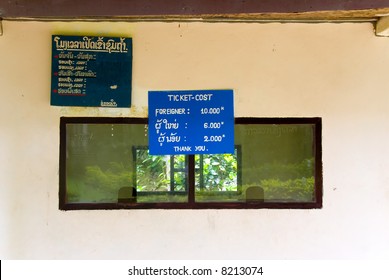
335 71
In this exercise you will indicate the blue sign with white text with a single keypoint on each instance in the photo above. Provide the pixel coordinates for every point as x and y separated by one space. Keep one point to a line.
91 71
191 122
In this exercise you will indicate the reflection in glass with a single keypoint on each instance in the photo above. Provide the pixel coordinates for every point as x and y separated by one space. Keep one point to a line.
102 164
280 160
160 178
216 176
275 163
110 163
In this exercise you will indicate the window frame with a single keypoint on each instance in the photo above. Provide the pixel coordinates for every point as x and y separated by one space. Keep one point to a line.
192 204
172 170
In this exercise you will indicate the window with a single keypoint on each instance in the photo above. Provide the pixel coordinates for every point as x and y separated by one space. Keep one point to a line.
105 164
158 177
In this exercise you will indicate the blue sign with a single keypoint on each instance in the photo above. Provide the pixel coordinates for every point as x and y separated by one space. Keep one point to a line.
191 122
91 71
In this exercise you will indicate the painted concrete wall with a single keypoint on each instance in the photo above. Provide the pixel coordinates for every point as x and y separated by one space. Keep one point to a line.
335 71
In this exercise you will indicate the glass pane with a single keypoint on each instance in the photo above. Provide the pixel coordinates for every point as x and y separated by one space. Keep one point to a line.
216 177
275 163
157 179
152 172
180 162
100 165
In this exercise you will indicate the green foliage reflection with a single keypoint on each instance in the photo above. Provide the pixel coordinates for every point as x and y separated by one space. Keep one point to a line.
217 172
99 185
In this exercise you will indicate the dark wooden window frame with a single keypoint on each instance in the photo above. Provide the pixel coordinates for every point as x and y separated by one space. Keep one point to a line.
191 204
